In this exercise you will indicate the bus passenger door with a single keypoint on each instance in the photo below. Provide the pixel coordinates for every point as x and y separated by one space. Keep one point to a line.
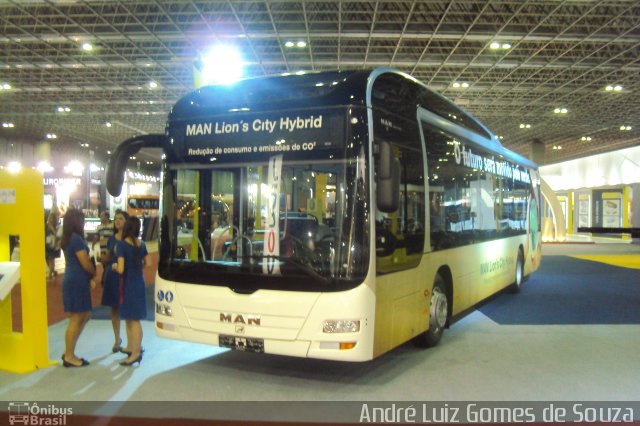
400 237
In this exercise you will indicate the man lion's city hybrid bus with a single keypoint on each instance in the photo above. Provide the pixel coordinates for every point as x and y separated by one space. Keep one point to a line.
332 215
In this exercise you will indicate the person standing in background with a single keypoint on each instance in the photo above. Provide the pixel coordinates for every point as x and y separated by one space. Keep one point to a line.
132 257
103 232
111 279
52 243
78 278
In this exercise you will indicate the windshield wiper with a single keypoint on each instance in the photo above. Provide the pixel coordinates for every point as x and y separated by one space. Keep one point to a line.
300 266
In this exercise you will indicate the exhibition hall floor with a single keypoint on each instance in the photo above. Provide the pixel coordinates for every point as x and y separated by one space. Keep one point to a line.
572 333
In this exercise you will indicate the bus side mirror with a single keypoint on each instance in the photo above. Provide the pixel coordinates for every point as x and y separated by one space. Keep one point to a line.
387 179
118 160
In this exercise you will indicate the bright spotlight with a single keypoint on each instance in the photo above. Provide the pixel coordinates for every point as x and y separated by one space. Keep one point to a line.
44 167
74 167
222 65
14 166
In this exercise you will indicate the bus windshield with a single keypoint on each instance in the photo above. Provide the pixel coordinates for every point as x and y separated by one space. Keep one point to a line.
230 225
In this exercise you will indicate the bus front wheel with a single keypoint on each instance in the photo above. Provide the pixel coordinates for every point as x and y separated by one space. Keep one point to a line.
438 315
517 284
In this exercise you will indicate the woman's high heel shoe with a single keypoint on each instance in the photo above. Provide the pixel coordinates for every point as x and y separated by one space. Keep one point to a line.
130 363
122 351
67 364
118 347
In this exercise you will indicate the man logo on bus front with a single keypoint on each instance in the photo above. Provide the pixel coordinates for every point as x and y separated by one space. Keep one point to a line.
239 319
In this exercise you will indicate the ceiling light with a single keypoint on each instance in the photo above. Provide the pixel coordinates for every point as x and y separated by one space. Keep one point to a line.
107 124
153 84
611 88
52 136
506 46
63 109
5 86
495 45
557 147
87 46
299 43
7 125
625 127
560 111
525 126
585 138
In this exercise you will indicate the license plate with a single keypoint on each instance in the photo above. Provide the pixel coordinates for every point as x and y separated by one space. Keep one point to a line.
247 344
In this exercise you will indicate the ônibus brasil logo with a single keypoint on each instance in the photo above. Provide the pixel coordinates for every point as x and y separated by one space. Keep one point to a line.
25 413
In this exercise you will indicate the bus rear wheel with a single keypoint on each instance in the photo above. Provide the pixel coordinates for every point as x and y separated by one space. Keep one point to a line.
438 315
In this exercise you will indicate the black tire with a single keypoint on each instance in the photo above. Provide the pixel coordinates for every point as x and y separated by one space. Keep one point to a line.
519 277
438 315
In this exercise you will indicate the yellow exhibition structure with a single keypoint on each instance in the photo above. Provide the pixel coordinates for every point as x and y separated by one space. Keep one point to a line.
22 214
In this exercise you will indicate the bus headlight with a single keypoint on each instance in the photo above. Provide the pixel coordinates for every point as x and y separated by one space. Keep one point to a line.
163 309
341 326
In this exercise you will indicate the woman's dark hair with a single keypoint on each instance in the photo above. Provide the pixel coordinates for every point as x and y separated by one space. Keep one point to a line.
72 223
132 229
123 213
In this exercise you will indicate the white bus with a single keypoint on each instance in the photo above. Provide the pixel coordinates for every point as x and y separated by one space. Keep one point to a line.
363 211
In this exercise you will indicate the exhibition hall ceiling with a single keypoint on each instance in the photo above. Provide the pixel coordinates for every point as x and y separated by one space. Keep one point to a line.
564 72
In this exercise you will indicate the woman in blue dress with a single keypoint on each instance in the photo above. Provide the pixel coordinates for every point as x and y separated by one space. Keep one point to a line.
78 278
132 257
111 279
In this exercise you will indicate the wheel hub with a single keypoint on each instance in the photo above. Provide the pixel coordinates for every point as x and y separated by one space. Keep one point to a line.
438 311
